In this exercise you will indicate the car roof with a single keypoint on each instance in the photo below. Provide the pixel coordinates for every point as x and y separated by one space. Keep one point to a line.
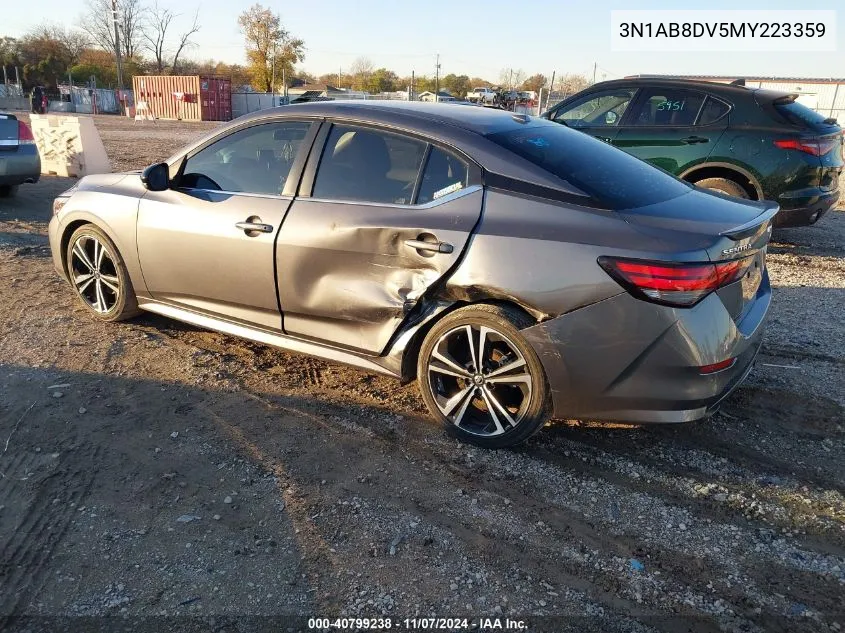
711 86
477 119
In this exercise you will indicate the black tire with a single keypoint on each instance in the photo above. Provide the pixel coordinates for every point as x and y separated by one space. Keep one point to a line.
8 191
472 421
724 185
117 306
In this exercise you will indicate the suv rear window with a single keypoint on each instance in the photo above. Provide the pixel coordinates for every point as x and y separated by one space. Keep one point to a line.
799 114
614 179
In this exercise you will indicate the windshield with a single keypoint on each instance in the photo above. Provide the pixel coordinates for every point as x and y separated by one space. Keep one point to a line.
614 179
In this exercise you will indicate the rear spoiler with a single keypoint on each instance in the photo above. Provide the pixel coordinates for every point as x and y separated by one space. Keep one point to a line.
754 226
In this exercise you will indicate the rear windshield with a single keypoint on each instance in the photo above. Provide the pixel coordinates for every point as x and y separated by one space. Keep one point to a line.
614 179
799 114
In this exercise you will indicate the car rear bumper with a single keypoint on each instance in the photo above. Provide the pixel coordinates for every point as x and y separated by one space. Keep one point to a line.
627 360
20 165
804 210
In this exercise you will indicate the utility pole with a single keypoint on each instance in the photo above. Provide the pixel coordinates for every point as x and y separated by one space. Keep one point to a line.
273 74
437 80
595 66
117 45
411 88
339 73
551 90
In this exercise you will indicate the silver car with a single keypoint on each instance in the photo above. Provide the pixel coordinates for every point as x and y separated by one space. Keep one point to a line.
516 268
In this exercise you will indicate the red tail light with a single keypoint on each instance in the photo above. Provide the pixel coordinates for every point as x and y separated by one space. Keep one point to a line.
25 136
816 147
681 285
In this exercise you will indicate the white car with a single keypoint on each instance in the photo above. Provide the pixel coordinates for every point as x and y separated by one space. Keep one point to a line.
481 95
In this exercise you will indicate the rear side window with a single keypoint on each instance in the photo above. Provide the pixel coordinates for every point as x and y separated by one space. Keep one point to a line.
368 165
612 178
667 106
713 110
444 174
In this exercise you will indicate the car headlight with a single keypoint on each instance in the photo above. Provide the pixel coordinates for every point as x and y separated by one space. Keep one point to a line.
62 198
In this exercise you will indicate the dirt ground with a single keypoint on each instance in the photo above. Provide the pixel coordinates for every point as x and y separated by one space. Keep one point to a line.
155 476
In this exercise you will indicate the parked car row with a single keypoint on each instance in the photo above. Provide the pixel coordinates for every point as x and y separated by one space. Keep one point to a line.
745 142
516 268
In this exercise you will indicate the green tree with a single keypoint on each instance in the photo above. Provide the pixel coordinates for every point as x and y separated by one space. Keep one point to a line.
268 44
534 82
382 80
457 85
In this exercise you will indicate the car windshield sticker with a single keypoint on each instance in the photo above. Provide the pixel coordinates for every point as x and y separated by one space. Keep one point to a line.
447 190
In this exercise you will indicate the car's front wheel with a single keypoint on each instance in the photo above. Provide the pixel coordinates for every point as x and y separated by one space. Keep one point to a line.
481 379
99 276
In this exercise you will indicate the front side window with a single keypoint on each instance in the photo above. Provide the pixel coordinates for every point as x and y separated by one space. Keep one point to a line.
667 106
256 159
444 174
602 109
368 165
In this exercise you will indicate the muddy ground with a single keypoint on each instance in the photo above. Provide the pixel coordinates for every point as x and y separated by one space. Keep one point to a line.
155 476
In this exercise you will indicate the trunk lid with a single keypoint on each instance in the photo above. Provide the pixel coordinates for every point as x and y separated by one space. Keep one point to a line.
719 229
8 132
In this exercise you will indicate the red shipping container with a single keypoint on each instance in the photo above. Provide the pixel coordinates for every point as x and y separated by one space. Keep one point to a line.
189 98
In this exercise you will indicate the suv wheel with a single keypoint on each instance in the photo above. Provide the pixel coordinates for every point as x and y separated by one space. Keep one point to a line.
725 186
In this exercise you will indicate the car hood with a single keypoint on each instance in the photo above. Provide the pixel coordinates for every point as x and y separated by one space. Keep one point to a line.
96 181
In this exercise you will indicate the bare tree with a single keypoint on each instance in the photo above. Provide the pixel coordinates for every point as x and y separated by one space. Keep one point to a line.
98 23
185 39
155 36
361 70
511 77
570 83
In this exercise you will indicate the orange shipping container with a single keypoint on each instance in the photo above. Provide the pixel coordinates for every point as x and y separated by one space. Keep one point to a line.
187 98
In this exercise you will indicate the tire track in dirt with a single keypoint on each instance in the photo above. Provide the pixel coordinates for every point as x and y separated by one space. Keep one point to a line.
43 526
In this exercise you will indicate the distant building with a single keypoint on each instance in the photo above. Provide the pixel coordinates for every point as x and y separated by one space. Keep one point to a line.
442 95
315 90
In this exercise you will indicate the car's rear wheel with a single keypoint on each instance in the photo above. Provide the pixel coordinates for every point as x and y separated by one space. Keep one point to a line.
481 379
725 186
99 276
8 191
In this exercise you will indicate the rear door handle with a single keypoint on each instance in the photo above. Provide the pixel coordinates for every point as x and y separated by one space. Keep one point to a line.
692 140
434 247
257 227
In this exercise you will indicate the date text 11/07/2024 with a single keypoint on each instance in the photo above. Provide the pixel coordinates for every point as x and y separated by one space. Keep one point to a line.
416 624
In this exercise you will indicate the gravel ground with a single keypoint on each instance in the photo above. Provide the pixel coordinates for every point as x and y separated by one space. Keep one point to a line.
179 479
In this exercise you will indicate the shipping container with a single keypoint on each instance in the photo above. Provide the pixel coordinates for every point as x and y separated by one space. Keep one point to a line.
187 98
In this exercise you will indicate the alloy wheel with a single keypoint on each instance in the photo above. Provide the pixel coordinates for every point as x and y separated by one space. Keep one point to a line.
93 273
480 380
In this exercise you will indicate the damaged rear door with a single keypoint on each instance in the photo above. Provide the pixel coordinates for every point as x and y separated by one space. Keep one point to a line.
381 217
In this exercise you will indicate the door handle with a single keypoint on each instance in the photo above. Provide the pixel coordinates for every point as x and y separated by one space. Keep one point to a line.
692 140
254 227
434 247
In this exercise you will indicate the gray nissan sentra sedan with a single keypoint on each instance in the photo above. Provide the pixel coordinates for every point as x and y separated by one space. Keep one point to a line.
517 268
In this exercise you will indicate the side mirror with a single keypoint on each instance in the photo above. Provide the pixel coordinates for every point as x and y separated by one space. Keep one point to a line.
156 177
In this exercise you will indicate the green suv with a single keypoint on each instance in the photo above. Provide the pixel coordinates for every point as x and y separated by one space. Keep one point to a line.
745 142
